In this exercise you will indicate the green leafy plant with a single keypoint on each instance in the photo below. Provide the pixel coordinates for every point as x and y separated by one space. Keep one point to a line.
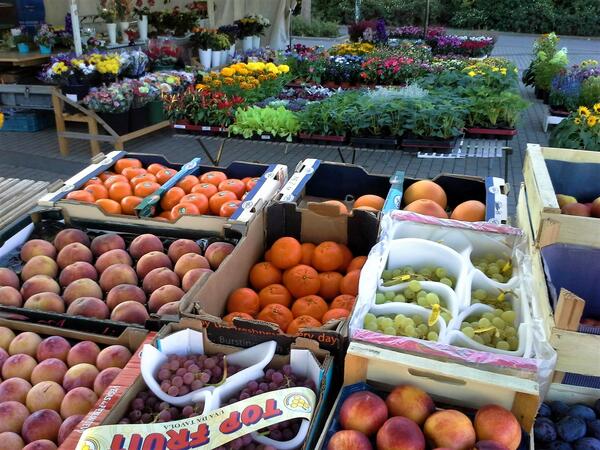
255 121
220 42
547 68
590 91
436 117
328 117
581 130
495 110
314 28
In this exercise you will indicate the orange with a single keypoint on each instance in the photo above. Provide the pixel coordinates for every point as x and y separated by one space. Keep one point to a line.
301 280
268 256
286 252
229 317
131 172
114 179
334 314
187 183
154 168
164 175
109 206
341 206
146 188
199 200
217 200
171 198
346 258
227 209
81 196
275 293
251 183
166 215
119 190
93 180
307 251
129 203
356 263
213 177
349 284
124 163
343 301
302 322
330 284
327 256
243 300
205 188
97 190
311 305
263 274
141 178
373 201
162 219
233 185
181 209
277 314
105 175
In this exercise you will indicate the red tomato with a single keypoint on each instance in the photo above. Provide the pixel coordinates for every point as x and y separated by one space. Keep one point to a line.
213 177
251 183
200 200
233 185
228 208
205 188
217 200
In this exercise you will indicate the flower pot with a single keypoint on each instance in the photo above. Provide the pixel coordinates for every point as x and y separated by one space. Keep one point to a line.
111 28
255 41
23 48
124 26
45 50
205 58
156 112
143 28
138 118
119 122
247 43
232 50
215 58
224 57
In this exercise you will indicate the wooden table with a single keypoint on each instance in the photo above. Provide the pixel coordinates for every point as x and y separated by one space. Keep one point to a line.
24 59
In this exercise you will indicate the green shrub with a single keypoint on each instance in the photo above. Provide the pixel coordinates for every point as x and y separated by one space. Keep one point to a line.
395 12
314 28
590 92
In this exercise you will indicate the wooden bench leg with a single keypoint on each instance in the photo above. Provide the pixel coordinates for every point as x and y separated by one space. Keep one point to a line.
93 129
63 144
119 145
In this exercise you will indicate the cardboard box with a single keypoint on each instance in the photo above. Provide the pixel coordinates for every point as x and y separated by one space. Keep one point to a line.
207 300
131 380
272 178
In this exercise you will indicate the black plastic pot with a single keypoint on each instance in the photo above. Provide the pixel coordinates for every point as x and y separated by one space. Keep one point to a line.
139 118
76 92
119 122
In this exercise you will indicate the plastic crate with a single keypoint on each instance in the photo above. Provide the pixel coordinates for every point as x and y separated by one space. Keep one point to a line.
26 121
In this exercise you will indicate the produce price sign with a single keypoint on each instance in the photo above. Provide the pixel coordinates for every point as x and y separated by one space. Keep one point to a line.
209 431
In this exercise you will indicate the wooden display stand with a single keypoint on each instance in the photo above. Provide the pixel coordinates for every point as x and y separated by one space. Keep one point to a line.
91 118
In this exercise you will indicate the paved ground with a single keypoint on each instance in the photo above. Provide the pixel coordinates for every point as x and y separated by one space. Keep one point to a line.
36 156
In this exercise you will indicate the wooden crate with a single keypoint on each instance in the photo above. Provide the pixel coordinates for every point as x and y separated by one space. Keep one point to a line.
446 382
547 223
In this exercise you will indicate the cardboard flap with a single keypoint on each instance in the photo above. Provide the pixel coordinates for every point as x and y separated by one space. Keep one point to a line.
319 227
324 209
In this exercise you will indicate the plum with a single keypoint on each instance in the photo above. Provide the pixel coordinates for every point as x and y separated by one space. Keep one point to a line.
597 407
571 429
593 428
559 409
544 410
588 443
544 430
582 411
559 445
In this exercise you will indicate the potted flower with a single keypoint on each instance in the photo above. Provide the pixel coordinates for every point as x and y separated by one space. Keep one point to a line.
164 55
123 10
142 12
142 94
45 38
233 33
108 14
112 105
263 24
202 39
21 39
248 27
220 49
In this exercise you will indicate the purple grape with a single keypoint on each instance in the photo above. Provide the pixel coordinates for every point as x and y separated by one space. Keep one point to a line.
174 365
173 391
188 363
217 372
205 377
269 373
188 378
179 372
135 415
197 384
210 363
263 387
193 368
137 403
287 369
165 386
187 411
244 396
252 386
287 434
164 416
183 390
177 381
277 377
164 374
146 418
276 434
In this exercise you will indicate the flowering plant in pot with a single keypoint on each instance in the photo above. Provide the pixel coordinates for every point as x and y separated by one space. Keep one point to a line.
231 31
142 94
163 54
393 70
21 39
581 130
45 38
202 107
112 105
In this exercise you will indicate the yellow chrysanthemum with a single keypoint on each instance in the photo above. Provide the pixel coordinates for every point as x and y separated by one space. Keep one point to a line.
597 108
577 121
471 73
583 111
200 86
227 71
243 71
283 68
592 120
228 81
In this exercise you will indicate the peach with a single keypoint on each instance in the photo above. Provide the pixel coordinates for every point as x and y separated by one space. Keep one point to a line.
68 426
363 411
163 295
39 265
113 356
130 312
104 379
26 342
410 402
89 307
425 189
182 246
77 402
112 257
190 261
168 309
123 293
45 395
427 208
37 247
576 209
15 389
217 252
450 428
6 337
495 423
190 278
400 433
69 236
80 375
9 278
151 261
106 242
73 253
9 296
83 352
116 275
38 284
42 424
145 243
53 347
41 444
349 439
3 357
469 211
19 366
159 277
51 369
12 416
46 301
77 271
11 441
84 287
490 445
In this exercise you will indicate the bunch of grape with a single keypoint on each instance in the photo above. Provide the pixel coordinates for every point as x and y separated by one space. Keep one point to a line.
401 325
415 294
148 408
495 267
500 300
392 277
495 329
181 375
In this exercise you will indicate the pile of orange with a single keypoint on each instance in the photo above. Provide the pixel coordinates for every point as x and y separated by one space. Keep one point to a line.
299 285
119 191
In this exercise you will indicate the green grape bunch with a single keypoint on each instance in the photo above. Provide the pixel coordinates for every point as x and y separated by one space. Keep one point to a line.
495 329
415 294
500 299
392 277
414 326
496 267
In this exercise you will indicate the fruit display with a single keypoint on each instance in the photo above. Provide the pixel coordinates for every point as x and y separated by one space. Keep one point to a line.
571 206
116 276
299 285
494 329
560 426
407 419
49 385
367 202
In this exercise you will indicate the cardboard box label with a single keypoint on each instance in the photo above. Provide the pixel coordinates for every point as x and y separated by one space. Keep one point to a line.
210 430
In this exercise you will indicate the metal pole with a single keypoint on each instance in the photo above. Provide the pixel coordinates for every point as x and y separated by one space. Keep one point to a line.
426 19
76 28
356 10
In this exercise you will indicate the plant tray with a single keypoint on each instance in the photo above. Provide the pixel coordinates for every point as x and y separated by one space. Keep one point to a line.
559 112
374 142
267 137
440 145
206 129
322 139
491 133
